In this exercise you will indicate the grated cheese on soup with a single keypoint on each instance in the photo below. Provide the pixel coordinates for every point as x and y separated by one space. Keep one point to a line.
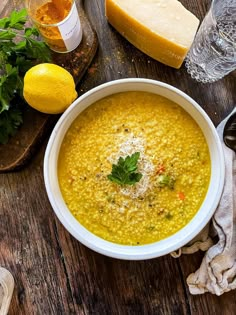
145 167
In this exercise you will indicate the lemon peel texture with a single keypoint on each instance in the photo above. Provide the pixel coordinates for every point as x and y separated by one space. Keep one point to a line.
49 88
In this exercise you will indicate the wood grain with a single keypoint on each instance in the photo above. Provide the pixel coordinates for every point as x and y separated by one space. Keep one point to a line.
54 273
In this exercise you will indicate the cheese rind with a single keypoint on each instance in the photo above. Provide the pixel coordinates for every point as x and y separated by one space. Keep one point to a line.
163 29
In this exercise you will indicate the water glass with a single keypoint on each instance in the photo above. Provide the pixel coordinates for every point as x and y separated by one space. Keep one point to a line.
213 53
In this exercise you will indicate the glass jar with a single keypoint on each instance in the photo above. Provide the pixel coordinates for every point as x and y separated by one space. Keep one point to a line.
58 23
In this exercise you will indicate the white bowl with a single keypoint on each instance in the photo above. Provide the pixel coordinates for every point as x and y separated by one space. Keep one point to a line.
164 246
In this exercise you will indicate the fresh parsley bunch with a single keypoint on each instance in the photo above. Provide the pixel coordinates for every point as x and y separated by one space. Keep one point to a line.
19 51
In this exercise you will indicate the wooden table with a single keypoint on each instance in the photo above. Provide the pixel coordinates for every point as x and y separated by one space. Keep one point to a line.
54 273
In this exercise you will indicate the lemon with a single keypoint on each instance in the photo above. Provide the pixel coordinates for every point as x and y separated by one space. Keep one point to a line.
49 88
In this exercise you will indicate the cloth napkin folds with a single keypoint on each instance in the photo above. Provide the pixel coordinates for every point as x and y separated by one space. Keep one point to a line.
217 272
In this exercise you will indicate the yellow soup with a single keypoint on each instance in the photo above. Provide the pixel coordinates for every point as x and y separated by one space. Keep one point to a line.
174 164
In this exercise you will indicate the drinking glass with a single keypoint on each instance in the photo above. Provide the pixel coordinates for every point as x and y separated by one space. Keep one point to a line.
213 53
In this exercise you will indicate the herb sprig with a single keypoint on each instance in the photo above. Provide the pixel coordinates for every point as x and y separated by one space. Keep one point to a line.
19 51
124 172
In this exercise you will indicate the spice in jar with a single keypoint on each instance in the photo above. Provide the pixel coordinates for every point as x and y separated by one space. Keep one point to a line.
58 22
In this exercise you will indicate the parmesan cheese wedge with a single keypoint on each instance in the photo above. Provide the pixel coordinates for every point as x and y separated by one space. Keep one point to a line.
163 29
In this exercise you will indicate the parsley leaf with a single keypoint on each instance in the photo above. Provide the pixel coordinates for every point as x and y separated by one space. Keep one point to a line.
7 35
36 49
4 23
9 122
18 19
8 84
124 172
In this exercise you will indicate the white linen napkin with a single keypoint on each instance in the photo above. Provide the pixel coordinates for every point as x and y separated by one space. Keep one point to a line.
217 272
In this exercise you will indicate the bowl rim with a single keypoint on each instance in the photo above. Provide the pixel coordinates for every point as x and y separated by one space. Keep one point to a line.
94 242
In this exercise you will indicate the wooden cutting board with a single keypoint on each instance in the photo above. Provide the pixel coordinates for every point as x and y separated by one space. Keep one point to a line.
20 148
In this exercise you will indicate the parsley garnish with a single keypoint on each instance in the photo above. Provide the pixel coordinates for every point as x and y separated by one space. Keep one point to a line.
124 172
19 51
9 122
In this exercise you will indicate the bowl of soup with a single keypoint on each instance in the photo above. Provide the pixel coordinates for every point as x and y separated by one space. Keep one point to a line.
134 169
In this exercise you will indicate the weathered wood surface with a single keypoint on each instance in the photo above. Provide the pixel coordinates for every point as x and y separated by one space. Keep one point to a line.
54 273
20 148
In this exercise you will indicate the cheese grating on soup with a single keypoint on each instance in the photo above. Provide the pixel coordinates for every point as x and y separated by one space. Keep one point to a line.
145 167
